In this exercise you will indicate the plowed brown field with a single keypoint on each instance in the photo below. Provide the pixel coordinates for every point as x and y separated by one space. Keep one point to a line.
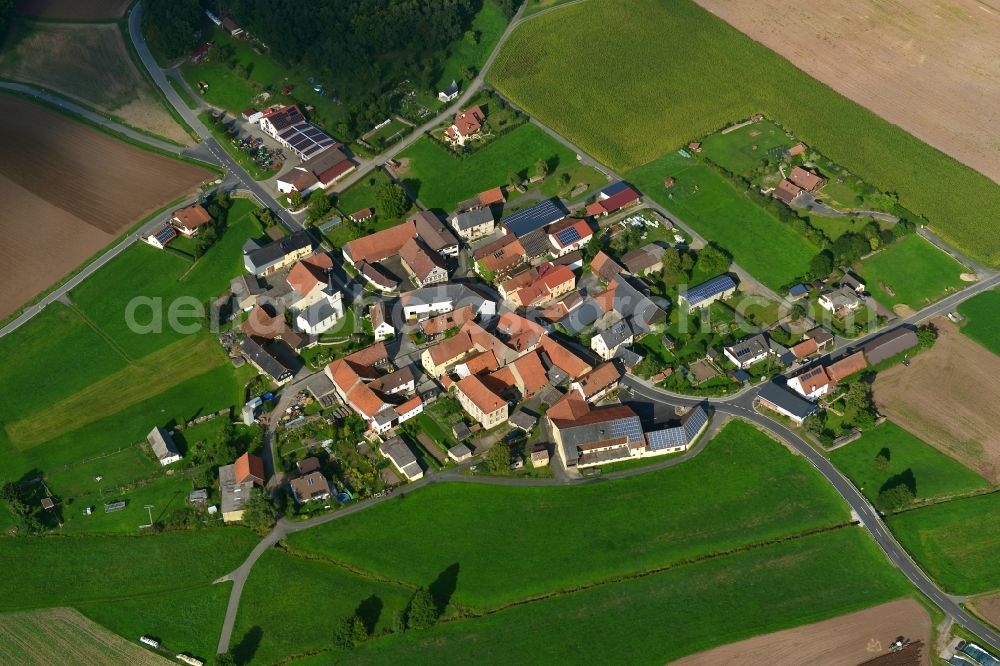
846 640
67 191
929 66
950 398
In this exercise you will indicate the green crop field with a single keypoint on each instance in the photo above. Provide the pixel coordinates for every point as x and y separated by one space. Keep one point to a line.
663 616
915 270
955 542
705 200
133 585
271 627
982 313
741 150
930 472
680 73
441 180
759 491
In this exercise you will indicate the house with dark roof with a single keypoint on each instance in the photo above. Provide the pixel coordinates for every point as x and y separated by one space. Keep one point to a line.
781 400
318 172
254 351
262 260
701 296
608 341
747 351
889 344
313 487
594 436
535 218
382 327
677 436
162 446
402 458
440 298
449 94
644 260
473 224
434 233
289 127
424 265
604 267
613 198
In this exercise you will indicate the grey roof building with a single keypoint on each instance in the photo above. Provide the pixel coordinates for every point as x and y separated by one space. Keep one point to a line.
264 361
709 291
641 311
783 401
680 435
163 446
397 451
744 353
459 453
471 219
616 334
258 260
540 215
889 344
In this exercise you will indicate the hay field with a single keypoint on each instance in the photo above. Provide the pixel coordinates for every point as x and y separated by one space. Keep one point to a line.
73 9
950 398
63 636
928 66
89 63
69 191
842 641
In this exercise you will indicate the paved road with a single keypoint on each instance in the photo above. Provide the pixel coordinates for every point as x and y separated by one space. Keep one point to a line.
96 118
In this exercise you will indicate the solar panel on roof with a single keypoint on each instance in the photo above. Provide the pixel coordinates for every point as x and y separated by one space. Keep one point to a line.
627 427
615 188
567 236
536 217
707 289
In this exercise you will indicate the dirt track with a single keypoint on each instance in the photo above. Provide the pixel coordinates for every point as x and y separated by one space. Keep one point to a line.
68 191
950 398
929 66
847 640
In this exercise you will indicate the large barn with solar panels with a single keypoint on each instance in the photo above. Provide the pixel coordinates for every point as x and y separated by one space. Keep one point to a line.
706 293
569 235
290 128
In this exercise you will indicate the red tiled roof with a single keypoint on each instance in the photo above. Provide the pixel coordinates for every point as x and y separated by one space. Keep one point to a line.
595 209
441 323
619 200
381 244
249 465
582 228
604 266
420 260
531 372
482 362
786 191
805 348
308 273
501 254
192 217
599 378
363 399
409 405
563 358
491 197
480 395
370 355
805 179
847 366
591 416
362 214
336 171
569 407
468 122
452 348
557 277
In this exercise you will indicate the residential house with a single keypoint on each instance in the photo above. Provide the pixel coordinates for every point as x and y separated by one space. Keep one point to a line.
547 282
362 215
362 385
797 149
467 125
840 301
701 296
522 379
889 344
246 288
535 218
321 315
490 197
424 265
437 299
744 353
644 260
812 383
289 127
482 404
599 382
434 233
382 328
804 349
163 447
499 258
312 487
262 324
317 173
605 267
608 341
473 224
785 402
807 180
823 337
259 357
558 356
263 260
786 191
569 235
520 334
402 458
614 198
190 219
236 481
798 292
442 323
853 282
161 237
449 94
460 452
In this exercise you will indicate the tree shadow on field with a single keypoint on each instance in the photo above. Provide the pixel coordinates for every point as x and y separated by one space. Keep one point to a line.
247 648
369 610
885 453
902 479
444 586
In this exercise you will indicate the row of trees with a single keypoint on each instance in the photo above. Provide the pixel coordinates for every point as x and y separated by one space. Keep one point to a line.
218 207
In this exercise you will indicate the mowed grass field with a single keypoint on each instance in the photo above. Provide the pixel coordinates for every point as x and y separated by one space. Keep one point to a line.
62 635
915 270
511 543
931 473
284 626
441 180
734 151
489 23
982 313
680 73
663 616
90 63
955 542
159 585
702 198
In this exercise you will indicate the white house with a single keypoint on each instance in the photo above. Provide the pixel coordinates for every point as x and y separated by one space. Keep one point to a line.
744 353
161 237
840 301
321 315
448 94
381 328
163 446
812 384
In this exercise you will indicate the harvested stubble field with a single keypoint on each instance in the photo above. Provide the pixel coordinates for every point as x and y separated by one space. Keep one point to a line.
63 636
71 190
89 63
988 607
928 66
842 641
73 9
949 397
685 73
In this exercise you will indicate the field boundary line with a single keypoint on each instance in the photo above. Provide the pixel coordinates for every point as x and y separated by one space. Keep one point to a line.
107 338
